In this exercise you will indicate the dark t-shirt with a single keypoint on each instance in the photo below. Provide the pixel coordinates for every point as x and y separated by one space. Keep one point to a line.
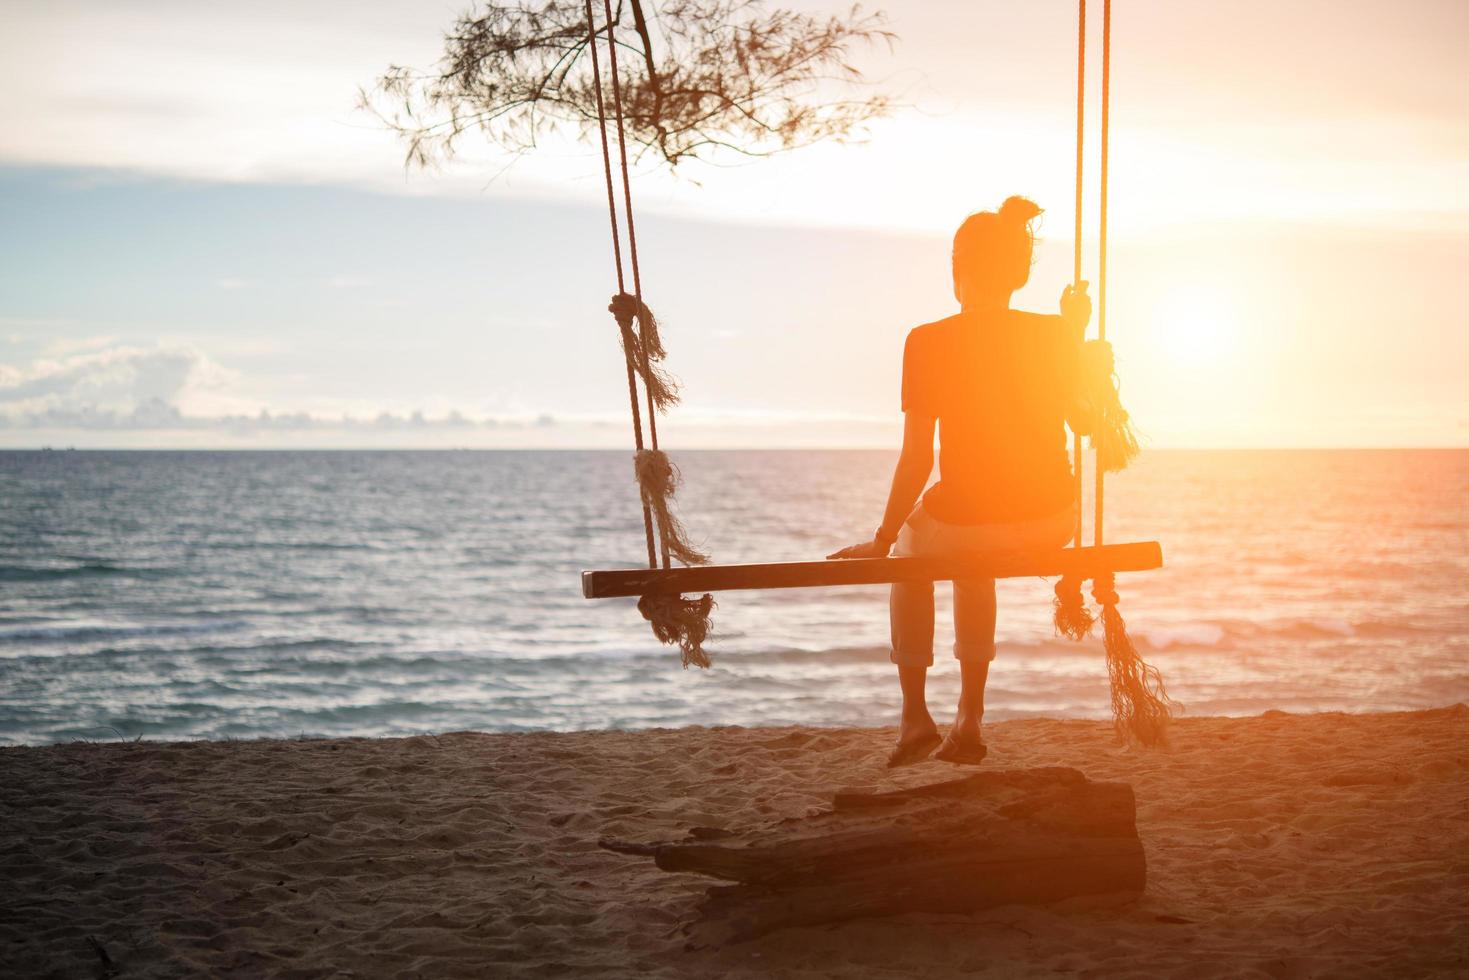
1000 387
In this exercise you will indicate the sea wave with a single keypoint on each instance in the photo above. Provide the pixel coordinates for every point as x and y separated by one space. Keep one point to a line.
103 632
52 572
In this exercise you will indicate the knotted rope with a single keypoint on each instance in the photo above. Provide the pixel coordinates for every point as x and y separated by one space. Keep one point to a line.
1111 430
644 349
658 480
631 363
1141 707
674 619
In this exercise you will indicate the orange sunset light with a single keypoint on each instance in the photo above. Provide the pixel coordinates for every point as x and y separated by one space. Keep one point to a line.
672 489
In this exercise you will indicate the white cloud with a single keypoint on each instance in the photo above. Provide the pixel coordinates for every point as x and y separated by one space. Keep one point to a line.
111 382
177 388
176 395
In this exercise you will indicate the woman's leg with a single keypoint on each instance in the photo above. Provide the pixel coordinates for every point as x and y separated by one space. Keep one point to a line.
911 616
911 611
916 723
974 648
974 608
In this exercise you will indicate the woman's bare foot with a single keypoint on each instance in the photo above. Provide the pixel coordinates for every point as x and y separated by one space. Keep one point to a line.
962 750
917 738
963 746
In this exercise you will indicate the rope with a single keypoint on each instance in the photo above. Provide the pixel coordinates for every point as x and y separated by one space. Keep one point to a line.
658 480
632 387
643 349
683 621
1141 707
1112 434
1072 618
646 324
1076 237
1113 439
1070 615
632 227
674 619
1102 252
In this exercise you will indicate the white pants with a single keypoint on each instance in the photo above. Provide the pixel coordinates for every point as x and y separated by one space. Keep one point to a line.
911 605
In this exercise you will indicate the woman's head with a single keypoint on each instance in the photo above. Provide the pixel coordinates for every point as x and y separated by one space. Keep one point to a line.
992 250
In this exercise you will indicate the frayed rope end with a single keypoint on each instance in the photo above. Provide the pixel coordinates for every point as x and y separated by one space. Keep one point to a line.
1070 615
1115 440
682 621
1141 707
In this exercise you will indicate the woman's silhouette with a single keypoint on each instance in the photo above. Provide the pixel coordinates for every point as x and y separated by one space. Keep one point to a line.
1000 386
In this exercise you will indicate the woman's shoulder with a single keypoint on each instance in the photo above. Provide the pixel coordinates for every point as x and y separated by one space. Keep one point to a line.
937 326
1045 321
935 331
955 328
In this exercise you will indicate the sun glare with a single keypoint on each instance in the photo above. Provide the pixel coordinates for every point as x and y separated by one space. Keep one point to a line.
1195 327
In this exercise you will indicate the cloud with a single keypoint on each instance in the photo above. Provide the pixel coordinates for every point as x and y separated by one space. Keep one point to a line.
116 380
155 415
178 388
176 395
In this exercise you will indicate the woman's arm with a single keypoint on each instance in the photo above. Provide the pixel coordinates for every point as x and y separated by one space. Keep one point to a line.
915 463
1076 313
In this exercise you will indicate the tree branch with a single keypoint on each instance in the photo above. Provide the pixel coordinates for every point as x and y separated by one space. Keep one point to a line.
733 76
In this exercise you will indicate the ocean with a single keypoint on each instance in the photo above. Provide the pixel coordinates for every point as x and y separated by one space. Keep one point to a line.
177 595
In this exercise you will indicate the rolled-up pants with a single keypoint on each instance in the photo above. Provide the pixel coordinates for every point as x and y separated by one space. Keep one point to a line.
974 599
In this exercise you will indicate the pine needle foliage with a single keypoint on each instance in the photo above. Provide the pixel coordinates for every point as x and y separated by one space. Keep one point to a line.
699 78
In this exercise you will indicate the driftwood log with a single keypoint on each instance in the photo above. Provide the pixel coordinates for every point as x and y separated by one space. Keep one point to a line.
995 838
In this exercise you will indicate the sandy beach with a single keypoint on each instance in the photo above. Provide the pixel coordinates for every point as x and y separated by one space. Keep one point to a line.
1278 846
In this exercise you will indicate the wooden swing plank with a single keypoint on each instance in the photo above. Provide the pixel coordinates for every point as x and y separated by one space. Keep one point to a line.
1136 556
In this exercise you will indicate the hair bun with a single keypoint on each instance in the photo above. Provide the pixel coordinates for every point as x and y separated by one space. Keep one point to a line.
1019 211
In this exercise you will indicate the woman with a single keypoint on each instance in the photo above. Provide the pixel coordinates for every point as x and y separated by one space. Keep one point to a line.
999 386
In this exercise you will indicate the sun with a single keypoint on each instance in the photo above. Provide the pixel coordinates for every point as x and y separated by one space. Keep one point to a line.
1195 327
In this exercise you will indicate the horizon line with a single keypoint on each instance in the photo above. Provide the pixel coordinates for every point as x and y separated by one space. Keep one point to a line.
685 449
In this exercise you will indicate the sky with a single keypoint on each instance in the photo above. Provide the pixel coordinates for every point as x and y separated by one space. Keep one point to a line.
204 243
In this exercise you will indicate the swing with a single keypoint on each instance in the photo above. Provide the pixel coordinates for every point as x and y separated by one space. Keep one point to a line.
1079 563
1140 704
